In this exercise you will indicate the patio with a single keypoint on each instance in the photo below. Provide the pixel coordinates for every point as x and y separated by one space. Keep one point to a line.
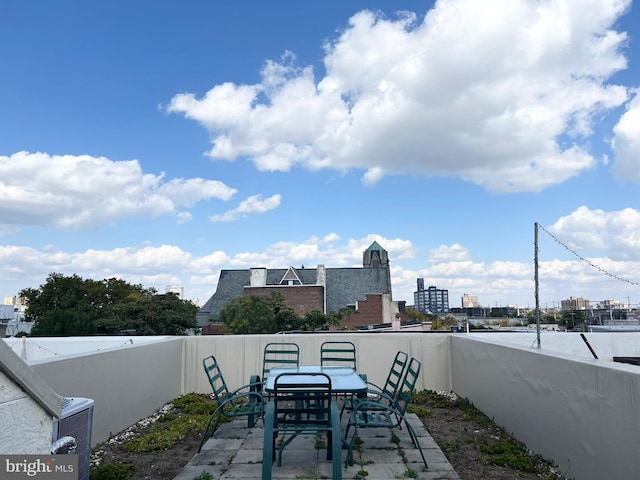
236 452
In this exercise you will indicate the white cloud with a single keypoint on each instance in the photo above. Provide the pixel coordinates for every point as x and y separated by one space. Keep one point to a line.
253 204
616 233
489 92
626 143
372 176
78 192
444 253
184 217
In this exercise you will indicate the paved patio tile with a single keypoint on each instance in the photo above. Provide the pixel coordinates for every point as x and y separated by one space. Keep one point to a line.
235 452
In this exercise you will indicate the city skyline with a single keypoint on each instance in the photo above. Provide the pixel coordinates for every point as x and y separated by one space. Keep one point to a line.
162 143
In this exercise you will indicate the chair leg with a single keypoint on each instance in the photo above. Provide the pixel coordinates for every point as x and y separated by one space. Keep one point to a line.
205 434
268 443
254 380
349 444
416 442
335 443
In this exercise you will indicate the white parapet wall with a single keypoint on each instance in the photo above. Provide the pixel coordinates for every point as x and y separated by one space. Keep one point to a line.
38 349
582 412
240 356
127 383
131 380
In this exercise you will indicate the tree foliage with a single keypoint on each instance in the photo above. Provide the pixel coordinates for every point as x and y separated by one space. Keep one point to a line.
71 305
571 318
249 315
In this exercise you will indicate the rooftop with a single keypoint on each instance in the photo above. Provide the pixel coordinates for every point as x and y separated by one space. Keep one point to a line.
541 395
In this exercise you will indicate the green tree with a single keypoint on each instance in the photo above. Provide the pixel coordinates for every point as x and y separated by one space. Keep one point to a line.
571 318
316 320
71 305
247 315
156 314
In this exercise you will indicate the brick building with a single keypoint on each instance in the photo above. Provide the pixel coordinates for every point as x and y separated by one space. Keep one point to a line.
366 290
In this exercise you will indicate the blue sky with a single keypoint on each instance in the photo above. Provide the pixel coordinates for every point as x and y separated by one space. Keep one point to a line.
161 142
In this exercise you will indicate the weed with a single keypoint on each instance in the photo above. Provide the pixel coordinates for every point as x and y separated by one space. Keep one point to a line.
421 412
161 437
320 443
204 476
167 417
511 453
112 471
449 447
193 403
408 474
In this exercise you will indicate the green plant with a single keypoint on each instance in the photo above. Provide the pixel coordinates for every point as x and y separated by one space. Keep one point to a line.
112 471
449 447
409 474
193 403
509 452
421 412
161 437
204 476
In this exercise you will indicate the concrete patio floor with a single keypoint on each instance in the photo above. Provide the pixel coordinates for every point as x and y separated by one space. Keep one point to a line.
236 452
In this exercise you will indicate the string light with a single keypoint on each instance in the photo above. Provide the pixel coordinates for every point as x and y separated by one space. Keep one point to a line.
589 262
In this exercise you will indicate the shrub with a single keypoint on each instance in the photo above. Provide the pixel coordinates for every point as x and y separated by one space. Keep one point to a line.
112 471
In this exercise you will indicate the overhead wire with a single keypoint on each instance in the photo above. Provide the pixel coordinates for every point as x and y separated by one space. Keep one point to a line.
587 261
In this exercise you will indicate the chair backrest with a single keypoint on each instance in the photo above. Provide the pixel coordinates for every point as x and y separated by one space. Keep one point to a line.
396 372
338 353
216 380
302 401
408 385
283 354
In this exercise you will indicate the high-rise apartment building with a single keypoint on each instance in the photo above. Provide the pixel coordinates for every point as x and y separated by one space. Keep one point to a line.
574 303
430 300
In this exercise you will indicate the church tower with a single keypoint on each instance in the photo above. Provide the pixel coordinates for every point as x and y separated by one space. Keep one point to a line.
377 257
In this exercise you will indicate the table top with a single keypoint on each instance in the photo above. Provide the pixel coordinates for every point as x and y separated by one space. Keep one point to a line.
343 379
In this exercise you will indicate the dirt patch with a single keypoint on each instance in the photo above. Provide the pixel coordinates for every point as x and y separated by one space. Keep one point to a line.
475 446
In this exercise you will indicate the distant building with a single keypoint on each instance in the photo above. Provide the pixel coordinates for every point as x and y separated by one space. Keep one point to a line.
176 290
469 301
306 289
574 303
17 303
431 300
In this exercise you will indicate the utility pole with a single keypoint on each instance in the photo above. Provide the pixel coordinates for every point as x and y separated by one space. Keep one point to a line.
535 275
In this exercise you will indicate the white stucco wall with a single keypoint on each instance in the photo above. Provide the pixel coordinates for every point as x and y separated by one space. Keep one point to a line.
35 349
127 383
606 344
26 427
240 356
581 412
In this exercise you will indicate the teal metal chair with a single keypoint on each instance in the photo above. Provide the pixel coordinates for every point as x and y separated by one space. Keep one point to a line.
245 401
338 353
389 391
282 354
289 413
385 412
